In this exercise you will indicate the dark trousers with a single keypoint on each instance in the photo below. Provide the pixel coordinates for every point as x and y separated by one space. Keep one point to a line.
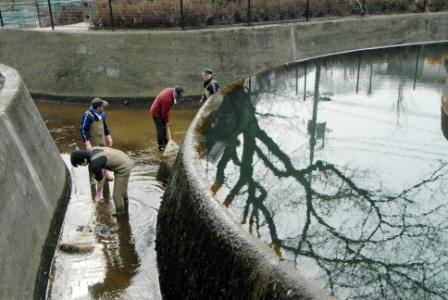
162 140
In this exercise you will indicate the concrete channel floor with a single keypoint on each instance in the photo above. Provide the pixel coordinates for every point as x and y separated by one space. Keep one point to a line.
123 263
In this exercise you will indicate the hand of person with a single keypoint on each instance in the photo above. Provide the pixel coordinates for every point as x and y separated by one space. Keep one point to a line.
98 197
168 124
88 145
109 140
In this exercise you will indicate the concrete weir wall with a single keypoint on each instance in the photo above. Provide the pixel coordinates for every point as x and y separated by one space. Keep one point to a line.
34 191
138 64
203 253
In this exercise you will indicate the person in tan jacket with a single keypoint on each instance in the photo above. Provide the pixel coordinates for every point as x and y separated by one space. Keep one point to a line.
100 158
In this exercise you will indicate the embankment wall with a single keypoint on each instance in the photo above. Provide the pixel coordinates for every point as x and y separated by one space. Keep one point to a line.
138 64
34 191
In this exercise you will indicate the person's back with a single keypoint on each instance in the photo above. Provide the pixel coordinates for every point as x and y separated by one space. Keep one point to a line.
116 160
160 109
162 104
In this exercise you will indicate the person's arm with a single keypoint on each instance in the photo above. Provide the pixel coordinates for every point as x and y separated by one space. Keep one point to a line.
97 168
201 101
99 186
86 121
107 131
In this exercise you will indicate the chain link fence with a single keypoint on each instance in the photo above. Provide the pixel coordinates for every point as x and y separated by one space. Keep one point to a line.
135 14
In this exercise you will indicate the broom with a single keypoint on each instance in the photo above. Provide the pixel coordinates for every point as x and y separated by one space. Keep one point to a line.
82 244
171 147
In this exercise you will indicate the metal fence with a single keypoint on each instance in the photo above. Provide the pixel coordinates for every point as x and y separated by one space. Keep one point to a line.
45 14
134 14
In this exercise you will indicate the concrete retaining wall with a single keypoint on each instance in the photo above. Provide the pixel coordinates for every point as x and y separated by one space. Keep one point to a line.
34 187
138 64
203 253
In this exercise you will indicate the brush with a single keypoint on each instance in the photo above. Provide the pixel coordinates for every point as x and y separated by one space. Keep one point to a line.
82 244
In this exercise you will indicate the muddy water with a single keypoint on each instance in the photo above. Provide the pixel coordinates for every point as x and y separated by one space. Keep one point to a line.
340 165
123 263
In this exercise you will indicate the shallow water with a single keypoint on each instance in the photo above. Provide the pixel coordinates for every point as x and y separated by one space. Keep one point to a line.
123 263
340 166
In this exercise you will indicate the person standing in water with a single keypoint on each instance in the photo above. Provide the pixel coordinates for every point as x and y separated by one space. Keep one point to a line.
95 132
104 158
160 110
210 85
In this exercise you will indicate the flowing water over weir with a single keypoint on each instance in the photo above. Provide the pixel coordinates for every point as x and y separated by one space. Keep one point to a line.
340 165
123 263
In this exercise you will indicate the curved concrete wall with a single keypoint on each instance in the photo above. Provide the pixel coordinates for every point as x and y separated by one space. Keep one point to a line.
34 187
138 64
202 253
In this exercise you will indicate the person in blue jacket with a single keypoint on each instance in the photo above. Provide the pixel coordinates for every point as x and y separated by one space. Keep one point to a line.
95 132
94 129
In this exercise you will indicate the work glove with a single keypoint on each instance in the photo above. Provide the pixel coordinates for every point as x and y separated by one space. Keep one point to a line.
109 140
88 145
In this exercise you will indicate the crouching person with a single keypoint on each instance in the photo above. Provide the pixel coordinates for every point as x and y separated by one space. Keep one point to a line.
112 160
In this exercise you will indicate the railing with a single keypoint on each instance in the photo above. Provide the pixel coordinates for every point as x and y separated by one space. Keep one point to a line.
134 14
44 13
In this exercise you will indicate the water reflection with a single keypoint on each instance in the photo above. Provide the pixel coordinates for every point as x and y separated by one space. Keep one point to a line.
119 250
340 165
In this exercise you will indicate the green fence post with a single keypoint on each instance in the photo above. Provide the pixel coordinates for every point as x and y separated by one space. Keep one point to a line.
51 15
249 18
1 18
307 12
111 15
38 13
182 22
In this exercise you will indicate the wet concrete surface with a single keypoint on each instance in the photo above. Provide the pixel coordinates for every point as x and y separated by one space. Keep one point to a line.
123 262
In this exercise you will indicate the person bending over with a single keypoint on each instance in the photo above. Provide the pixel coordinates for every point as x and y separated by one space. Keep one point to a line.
113 160
160 110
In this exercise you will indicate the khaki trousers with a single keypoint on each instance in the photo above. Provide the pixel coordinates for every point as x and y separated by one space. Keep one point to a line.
120 194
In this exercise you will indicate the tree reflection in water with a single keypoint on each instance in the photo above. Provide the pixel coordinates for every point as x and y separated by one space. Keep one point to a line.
365 241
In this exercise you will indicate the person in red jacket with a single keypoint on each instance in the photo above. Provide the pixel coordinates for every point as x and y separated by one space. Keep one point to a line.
160 109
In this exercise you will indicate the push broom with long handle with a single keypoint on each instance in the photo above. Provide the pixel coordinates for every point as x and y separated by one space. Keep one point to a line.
171 147
82 243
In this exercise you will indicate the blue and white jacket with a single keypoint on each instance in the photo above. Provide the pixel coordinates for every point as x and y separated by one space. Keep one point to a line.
87 119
